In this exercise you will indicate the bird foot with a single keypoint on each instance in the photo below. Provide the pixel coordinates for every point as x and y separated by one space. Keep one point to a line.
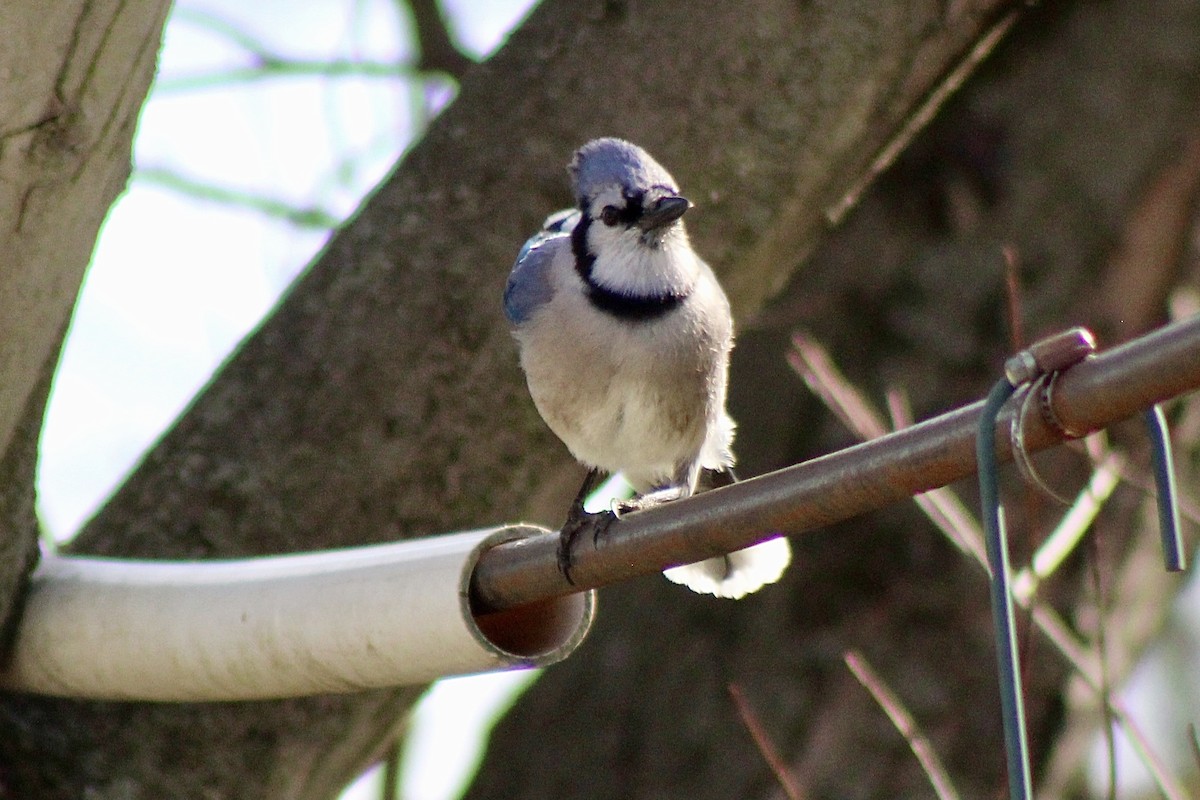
578 523
650 500
618 508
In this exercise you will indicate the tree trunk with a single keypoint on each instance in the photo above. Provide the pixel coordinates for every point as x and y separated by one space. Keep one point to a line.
382 400
74 76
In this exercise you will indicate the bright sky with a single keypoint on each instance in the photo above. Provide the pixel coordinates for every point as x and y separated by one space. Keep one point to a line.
177 281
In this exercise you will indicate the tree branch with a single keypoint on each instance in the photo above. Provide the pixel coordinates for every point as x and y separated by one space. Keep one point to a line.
438 51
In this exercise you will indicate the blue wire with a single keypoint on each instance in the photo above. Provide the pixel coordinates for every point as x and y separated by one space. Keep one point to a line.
1164 480
1011 696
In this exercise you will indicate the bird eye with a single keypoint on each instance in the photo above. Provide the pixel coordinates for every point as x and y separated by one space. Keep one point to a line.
610 215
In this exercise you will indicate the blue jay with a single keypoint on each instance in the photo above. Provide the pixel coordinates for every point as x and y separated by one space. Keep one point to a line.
624 336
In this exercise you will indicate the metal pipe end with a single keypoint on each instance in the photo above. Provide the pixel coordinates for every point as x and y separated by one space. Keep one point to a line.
537 634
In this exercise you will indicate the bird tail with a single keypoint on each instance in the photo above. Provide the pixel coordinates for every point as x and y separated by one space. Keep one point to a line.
736 574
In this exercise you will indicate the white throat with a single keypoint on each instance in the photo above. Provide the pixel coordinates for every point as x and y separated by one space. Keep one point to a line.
626 264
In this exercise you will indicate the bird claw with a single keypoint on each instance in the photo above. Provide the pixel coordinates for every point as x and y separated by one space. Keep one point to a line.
619 507
579 523
641 503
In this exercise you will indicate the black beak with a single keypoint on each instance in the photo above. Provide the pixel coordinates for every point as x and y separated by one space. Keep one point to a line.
663 212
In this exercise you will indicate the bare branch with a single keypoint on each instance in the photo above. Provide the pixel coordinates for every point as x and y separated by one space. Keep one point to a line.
438 51
763 742
285 68
311 217
921 747
269 64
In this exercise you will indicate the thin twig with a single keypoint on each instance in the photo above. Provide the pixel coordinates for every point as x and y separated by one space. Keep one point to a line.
437 54
918 742
279 67
924 113
1070 530
222 27
765 746
942 505
1110 741
272 207
814 366
1077 657
1012 286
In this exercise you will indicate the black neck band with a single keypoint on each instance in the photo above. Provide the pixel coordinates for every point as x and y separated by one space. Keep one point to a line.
636 308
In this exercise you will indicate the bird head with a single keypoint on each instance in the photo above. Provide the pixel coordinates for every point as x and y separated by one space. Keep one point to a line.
627 193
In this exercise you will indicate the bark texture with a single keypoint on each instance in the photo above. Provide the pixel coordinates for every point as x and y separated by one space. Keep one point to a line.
73 76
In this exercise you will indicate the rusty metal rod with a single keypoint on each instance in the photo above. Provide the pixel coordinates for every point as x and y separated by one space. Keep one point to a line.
1091 395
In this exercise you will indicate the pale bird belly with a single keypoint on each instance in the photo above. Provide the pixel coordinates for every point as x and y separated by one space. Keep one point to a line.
642 422
647 435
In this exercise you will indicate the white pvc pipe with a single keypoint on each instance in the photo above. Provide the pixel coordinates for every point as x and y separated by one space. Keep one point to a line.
280 626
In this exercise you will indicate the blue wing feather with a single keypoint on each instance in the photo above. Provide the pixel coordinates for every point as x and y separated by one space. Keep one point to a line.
529 284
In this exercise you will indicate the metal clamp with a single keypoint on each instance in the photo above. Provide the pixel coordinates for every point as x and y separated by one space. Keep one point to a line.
1046 357
1035 370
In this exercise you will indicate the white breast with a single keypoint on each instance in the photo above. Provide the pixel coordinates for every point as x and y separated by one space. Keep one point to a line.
644 398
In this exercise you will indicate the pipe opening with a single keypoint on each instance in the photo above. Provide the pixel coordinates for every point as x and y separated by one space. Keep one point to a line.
536 630
538 633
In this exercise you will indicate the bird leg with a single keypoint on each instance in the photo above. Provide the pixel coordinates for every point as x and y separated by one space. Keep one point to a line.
579 521
713 479
720 478
681 487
